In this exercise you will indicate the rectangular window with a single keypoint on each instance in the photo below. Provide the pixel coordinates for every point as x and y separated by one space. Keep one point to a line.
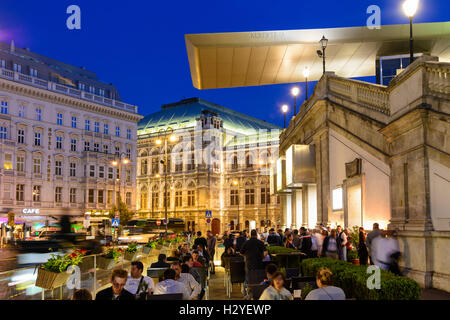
81 86
101 92
87 125
20 190
33 72
101 172
87 146
37 138
144 167
38 114
3 133
7 165
263 196
129 154
105 148
128 198
117 131
234 197
337 199
249 196
117 151
73 195
191 162
3 63
178 198
58 168
36 193
105 128
73 145
129 134
17 67
100 196
155 199
73 169
37 166
20 163
191 198
109 196
110 173
59 142
91 171
96 127
4 107
128 175
58 194
91 89
96 147
74 122
21 111
91 195
21 136
59 119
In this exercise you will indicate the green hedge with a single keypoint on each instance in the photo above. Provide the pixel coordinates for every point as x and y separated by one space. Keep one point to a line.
293 262
353 280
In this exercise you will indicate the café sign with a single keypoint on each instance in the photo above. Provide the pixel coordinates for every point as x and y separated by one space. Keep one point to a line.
30 211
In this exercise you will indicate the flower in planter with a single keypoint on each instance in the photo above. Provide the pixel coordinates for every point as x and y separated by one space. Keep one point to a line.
132 248
58 263
113 254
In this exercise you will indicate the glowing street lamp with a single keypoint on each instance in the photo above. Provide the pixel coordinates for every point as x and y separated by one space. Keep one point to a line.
306 75
295 91
410 8
284 108
323 43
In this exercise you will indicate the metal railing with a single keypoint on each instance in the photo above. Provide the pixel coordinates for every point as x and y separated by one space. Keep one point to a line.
19 284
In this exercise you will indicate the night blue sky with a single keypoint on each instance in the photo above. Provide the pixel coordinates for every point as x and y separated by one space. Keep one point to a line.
139 45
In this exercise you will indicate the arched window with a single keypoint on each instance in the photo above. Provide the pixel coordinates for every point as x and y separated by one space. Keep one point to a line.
249 193
144 198
178 195
234 164
191 195
155 197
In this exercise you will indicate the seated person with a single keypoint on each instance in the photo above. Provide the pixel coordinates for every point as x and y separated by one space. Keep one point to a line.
169 285
137 283
266 255
194 288
189 262
162 262
229 252
324 280
175 256
197 260
271 268
117 290
276 290
203 253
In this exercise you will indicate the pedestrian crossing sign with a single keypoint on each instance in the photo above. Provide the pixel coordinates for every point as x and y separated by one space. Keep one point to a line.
208 214
115 223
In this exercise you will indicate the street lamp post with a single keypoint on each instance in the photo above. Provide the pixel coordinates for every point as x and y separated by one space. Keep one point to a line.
236 183
410 9
162 137
118 164
321 54
284 108
306 75
295 91
261 162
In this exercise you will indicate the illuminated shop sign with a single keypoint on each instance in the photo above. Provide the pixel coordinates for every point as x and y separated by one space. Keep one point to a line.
30 211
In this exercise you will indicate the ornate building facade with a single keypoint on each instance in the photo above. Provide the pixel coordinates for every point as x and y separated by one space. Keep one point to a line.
218 160
64 138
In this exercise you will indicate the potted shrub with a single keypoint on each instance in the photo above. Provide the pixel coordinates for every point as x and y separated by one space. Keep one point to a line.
52 274
149 246
160 243
109 259
131 251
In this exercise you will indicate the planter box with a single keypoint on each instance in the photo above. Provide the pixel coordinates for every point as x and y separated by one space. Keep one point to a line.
158 246
50 280
105 263
355 262
130 256
146 250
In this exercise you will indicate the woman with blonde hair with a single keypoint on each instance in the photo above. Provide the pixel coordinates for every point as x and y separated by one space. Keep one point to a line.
324 280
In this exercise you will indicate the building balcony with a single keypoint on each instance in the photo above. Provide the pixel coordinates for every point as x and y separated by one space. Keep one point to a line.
58 88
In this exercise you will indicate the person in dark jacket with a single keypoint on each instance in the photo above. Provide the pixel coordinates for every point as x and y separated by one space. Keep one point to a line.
228 242
305 242
162 262
363 253
200 240
240 241
273 238
116 291
253 250
330 246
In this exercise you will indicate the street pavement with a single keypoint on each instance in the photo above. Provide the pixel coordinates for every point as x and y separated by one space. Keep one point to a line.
8 259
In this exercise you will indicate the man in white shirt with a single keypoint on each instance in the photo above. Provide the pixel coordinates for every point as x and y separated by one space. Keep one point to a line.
265 234
169 285
138 284
192 286
342 242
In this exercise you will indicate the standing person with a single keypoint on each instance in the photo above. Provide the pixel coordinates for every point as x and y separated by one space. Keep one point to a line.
273 238
138 284
296 239
342 244
321 235
228 242
325 291
305 242
372 235
253 251
200 240
211 249
188 280
329 248
265 234
314 244
282 239
241 240
170 286
385 252
362 248
117 290
276 290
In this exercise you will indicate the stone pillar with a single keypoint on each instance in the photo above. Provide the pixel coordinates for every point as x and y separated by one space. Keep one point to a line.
321 141
305 211
294 209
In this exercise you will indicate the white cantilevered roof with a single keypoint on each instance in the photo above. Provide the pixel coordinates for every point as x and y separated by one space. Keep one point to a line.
222 60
